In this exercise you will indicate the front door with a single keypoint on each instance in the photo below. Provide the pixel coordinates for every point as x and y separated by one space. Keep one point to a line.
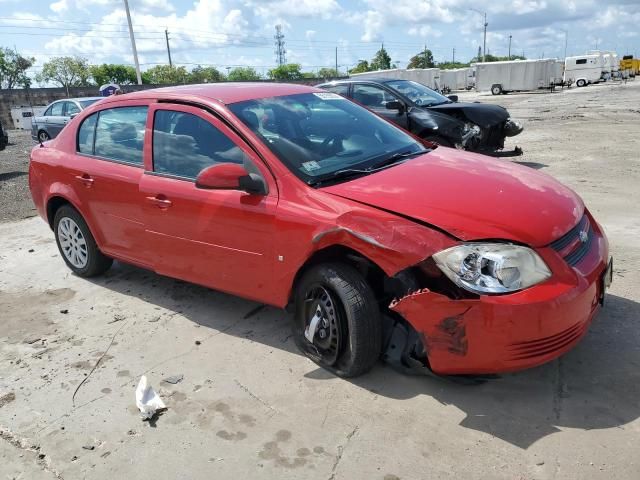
219 238
375 98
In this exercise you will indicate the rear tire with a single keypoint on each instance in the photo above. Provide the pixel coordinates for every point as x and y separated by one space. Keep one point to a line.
43 136
348 337
77 245
496 89
581 83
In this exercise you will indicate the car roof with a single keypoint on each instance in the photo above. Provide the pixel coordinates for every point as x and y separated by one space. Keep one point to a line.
225 92
77 99
368 79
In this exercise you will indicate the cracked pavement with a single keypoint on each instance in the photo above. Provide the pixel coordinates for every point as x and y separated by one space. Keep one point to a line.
251 406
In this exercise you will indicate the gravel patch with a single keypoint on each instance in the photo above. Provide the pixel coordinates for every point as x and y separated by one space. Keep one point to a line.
15 198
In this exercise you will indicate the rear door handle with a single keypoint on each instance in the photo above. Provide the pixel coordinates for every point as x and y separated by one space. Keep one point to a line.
160 201
85 179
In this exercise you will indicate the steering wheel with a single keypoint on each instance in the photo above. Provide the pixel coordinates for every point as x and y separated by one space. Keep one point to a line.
332 144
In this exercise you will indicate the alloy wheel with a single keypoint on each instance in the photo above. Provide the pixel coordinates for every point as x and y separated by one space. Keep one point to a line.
72 243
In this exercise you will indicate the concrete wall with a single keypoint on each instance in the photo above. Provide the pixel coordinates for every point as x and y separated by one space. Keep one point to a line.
44 96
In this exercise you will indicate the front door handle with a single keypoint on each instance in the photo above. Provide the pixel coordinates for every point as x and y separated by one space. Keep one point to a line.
160 201
85 179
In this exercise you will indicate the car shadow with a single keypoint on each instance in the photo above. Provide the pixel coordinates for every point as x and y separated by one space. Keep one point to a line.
594 386
534 165
11 175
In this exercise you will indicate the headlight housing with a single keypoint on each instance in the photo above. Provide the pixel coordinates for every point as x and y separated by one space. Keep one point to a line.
492 267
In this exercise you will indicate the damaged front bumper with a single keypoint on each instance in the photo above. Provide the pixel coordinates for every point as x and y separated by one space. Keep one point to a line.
503 333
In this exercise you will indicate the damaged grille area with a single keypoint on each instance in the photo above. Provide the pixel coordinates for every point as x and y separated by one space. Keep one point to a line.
547 345
576 243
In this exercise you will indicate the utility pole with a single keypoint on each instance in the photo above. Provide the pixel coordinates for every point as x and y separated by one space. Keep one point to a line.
281 53
509 47
166 35
426 59
484 42
453 57
566 37
133 43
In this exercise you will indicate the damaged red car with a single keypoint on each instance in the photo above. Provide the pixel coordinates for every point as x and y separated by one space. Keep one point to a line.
292 196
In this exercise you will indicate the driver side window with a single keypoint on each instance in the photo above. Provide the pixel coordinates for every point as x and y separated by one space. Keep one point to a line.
372 97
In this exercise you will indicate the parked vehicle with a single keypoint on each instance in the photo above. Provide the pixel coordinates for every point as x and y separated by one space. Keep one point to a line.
56 116
429 115
516 75
457 79
4 137
294 196
425 76
582 70
602 62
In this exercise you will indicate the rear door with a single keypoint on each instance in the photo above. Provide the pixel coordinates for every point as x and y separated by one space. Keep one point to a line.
107 171
219 238
55 119
375 98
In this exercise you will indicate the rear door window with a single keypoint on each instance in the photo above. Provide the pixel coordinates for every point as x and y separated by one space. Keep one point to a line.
55 110
185 144
120 134
71 108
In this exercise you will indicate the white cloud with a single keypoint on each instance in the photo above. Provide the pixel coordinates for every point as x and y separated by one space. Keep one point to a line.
310 34
295 8
59 6
424 31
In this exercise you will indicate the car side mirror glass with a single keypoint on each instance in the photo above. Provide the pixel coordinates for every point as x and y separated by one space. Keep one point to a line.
453 98
230 176
395 105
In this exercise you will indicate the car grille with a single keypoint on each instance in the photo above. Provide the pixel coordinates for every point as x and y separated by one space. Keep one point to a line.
576 243
547 345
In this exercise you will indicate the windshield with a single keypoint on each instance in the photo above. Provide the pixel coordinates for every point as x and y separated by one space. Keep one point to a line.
86 103
321 136
418 93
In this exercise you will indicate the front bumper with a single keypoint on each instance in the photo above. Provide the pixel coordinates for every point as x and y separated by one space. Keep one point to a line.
512 128
504 333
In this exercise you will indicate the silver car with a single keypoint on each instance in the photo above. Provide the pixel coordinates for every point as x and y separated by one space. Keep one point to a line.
56 116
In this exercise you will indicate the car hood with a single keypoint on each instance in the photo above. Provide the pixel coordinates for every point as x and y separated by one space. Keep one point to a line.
470 196
482 114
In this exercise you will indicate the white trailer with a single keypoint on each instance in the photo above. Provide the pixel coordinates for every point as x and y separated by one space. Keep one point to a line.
515 75
456 79
582 70
22 116
426 76
604 70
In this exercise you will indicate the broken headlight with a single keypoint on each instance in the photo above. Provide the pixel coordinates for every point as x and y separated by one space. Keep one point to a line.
492 267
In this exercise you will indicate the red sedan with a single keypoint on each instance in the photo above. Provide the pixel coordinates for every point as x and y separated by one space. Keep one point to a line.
296 197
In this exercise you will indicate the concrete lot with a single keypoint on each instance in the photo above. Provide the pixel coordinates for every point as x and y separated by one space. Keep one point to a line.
251 406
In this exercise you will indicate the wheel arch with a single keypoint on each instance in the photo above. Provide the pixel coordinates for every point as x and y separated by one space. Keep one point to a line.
57 200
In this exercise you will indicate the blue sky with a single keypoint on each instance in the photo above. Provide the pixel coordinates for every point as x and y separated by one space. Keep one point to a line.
227 33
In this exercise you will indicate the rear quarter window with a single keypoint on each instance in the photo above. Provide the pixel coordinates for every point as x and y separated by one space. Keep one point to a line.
119 134
86 134
341 89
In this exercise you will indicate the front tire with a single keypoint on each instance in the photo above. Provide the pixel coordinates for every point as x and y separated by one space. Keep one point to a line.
338 311
77 245
581 83
496 89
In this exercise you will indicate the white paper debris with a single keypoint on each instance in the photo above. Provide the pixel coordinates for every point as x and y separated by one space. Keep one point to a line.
147 399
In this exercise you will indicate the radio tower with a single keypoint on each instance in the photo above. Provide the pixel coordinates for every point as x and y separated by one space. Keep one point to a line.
281 53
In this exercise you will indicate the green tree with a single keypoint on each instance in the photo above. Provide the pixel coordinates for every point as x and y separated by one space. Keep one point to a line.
165 74
66 71
452 65
328 73
112 73
205 75
13 69
381 60
494 58
243 74
423 59
361 67
289 71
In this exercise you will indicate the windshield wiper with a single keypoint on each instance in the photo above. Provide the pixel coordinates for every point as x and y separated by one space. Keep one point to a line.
350 172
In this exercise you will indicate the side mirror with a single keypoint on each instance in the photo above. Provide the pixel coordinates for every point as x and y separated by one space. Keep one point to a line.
395 105
230 176
453 98
74 115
